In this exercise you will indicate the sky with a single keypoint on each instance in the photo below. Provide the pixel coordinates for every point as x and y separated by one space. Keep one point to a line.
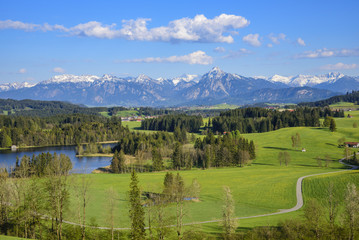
40 39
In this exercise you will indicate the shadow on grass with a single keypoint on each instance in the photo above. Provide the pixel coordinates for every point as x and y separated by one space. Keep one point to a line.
306 165
319 128
268 164
331 144
283 149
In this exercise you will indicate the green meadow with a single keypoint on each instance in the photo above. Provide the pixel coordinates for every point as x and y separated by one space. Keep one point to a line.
263 187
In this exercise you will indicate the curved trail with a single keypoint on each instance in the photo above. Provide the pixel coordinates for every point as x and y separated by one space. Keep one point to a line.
282 211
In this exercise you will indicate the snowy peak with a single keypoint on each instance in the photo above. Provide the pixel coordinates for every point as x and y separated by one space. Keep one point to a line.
142 78
306 80
14 86
185 78
215 73
69 78
280 79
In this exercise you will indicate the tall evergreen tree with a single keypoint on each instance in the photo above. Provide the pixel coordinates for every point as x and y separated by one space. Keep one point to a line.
121 162
176 157
157 161
137 214
115 163
332 126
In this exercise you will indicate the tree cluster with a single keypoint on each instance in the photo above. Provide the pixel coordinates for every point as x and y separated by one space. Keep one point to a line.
252 120
58 130
169 123
227 150
352 97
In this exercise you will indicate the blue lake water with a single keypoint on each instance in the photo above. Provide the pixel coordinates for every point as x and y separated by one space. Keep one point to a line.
79 164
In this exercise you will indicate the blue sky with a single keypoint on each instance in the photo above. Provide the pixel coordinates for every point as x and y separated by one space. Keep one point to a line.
40 39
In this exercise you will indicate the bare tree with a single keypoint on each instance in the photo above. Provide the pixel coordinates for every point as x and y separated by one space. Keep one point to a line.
112 203
57 187
179 195
81 186
280 158
313 212
332 208
286 158
229 223
352 209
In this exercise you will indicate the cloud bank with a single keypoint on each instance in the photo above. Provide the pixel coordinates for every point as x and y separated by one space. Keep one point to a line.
197 29
339 66
325 53
252 39
198 57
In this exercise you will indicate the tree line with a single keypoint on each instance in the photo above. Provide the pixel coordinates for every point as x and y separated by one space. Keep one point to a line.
58 130
352 97
213 151
170 122
251 120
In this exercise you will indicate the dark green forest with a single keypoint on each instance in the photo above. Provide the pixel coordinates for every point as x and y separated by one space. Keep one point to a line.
252 120
352 97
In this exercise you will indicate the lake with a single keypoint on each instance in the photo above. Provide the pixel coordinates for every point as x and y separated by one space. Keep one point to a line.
79 164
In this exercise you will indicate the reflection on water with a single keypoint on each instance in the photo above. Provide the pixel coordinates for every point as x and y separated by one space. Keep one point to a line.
79 164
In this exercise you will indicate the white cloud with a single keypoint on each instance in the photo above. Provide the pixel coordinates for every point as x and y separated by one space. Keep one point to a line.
252 39
300 42
339 66
269 45
197 29
198 57
239 53
324 53
9 24
219 49
58 70
22 70
275 38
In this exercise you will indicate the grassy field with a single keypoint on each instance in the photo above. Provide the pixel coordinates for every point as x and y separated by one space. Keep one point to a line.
3 237
344 105
263 187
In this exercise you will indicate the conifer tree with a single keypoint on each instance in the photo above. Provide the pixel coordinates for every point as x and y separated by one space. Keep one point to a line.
332 126
157 161
115 163
176 157
252 150
137 214
121 160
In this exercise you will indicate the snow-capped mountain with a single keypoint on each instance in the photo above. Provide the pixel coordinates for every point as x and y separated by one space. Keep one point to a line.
306 80
215 86
13 86
69 78
186 78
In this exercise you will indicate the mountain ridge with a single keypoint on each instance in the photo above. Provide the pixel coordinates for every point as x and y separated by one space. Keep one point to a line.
214 86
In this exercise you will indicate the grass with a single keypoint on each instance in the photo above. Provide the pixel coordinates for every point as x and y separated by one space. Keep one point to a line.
344 105
3 237
263 187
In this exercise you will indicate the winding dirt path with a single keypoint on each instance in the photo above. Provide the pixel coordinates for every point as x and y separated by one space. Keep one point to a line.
282 211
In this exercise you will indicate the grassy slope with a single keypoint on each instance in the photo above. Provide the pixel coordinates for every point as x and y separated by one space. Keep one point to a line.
3 237
261 188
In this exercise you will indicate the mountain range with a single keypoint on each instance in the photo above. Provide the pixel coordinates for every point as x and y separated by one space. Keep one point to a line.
215 86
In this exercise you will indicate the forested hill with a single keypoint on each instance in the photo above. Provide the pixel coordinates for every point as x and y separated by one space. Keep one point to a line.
43 108
352 97
50 108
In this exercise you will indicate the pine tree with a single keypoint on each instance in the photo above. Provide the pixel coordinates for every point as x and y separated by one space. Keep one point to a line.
176 157
137 214
332 126
157 161
121 160
115 163
252 150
